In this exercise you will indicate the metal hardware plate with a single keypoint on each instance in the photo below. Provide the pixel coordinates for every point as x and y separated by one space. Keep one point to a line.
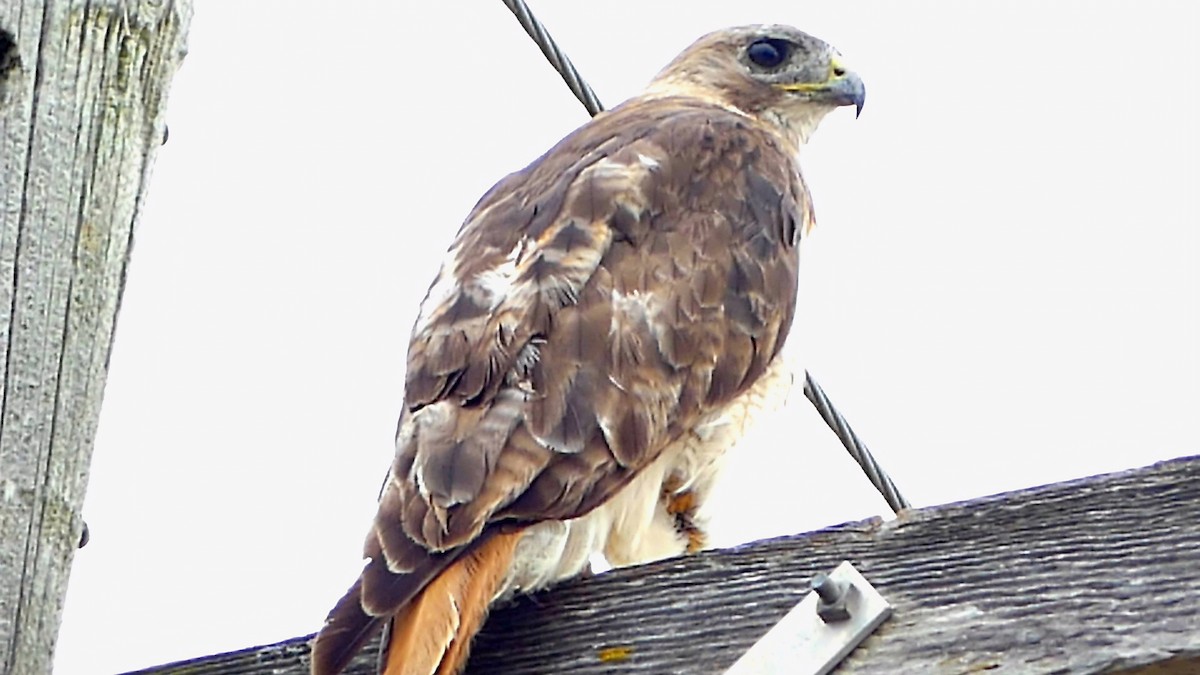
803 643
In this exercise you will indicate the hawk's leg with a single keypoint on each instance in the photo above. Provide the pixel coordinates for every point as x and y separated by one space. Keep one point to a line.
682 504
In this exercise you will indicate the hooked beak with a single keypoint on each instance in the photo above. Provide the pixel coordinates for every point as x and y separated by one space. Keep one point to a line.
842 87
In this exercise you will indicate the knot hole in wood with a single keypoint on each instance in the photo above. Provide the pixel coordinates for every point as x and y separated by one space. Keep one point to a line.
10 63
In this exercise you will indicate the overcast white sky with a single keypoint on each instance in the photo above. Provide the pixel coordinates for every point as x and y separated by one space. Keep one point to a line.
1002 290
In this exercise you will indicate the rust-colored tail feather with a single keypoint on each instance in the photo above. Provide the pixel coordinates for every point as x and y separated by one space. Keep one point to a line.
376 596
432 634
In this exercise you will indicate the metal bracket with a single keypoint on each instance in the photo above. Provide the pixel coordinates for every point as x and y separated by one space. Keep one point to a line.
820 631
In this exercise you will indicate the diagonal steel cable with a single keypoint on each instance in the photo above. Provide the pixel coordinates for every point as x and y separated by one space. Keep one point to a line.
555 56
857 449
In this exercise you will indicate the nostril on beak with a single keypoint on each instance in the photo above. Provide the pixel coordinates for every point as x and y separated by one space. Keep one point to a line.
839 71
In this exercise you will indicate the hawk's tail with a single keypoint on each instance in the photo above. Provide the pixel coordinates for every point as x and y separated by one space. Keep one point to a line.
432 634
435 610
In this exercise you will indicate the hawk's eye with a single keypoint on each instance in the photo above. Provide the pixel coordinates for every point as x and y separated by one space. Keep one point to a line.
768 52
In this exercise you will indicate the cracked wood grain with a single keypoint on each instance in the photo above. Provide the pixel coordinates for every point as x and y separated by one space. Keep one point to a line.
83 86
1096 575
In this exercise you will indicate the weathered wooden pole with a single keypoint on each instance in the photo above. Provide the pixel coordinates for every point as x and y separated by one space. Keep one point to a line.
83 85
1090 576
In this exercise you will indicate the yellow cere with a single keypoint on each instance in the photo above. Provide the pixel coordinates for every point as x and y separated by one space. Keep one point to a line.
834 66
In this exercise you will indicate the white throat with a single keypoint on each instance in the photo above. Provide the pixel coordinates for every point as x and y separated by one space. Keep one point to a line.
798 123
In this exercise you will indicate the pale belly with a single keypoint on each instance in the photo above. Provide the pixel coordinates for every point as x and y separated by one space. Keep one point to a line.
637 524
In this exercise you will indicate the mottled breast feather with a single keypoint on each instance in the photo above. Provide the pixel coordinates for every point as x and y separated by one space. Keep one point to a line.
591 309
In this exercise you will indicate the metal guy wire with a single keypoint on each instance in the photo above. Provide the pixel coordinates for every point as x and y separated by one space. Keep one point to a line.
554 55
857 449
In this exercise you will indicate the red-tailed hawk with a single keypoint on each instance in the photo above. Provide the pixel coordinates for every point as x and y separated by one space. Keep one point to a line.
604 323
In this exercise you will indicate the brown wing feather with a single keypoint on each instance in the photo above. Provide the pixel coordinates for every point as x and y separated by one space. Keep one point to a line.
374 597
594 306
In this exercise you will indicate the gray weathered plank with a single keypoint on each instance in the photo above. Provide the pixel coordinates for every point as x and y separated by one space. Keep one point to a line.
82 91
1096 575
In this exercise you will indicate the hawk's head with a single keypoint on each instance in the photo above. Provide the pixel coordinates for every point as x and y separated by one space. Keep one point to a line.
777 73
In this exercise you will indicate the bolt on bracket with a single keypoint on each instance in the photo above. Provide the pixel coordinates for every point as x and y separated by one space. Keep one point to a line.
820 631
